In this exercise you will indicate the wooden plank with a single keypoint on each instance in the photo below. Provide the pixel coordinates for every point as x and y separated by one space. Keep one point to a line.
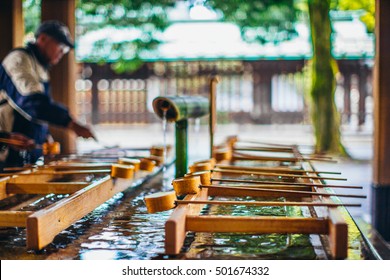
175 226
78 166
256 224
53 172
45 188
3 188
14 218
338 227
41 178
338 235
45 224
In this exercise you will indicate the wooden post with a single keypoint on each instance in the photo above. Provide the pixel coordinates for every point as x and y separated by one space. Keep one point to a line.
363 73
11 26
347 97
63 75
212 111
262 97
381 174
95 100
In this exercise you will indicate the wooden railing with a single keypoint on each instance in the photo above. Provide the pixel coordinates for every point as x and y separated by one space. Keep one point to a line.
243 95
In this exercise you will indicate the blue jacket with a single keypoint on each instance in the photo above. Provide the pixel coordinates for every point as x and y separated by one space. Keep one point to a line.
25 103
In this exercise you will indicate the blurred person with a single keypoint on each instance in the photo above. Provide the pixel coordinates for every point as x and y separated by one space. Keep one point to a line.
26 105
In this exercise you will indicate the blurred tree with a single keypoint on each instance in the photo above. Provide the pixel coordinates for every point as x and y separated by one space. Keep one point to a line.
147 16
324 115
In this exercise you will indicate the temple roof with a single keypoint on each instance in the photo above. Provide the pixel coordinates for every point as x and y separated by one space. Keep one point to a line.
215 40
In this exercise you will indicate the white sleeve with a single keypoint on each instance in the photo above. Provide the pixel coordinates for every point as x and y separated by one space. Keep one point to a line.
23 72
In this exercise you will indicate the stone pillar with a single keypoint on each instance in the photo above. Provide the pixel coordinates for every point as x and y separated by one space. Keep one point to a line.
381 161
63 75
11 26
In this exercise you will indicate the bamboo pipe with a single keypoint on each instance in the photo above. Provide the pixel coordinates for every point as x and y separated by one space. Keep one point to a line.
273 169
266 203
283 183
240 156
275 174
284 191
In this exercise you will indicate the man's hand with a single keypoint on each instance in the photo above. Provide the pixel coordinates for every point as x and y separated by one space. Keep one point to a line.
81 130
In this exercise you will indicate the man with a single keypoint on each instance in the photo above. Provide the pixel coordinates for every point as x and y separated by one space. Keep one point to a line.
26 106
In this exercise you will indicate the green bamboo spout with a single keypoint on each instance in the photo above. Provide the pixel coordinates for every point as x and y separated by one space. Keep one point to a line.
179 109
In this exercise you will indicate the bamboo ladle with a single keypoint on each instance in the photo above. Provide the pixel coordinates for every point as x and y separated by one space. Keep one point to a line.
164 201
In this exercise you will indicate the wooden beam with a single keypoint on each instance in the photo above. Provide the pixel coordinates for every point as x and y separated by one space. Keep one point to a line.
381 161
14 218
45 188
256 224
338 235
3 188
79 166
53 172
44 225
338 227
175 226
11 26
63 75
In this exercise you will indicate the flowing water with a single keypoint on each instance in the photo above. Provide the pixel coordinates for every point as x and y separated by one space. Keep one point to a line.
165 146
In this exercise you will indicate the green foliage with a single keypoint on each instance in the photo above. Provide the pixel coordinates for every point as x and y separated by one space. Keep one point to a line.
32 15
366 6
148 16
124 13
260 20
